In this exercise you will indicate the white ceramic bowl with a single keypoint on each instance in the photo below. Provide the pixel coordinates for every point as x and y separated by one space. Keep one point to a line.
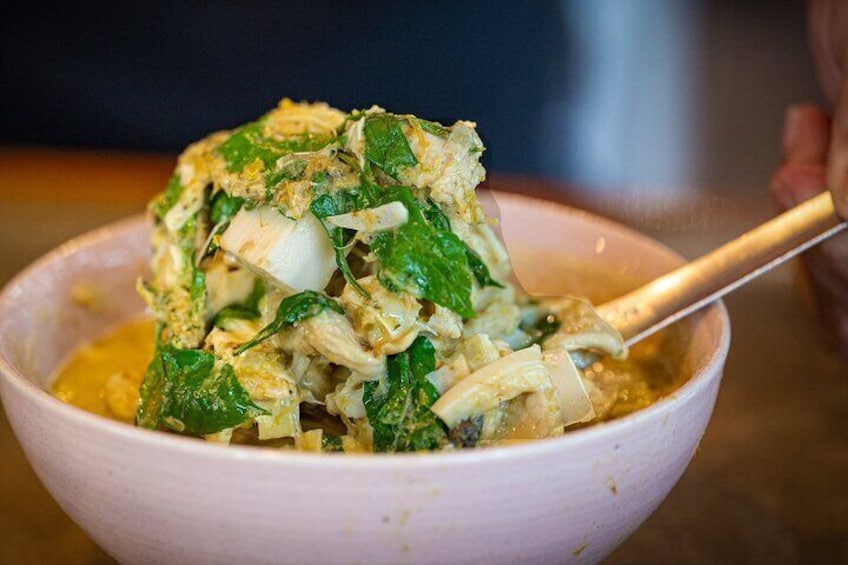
148 497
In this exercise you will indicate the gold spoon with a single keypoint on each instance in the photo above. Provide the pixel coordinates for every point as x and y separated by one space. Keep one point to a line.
689 288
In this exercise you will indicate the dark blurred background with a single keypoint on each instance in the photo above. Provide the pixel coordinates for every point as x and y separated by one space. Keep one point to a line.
673 95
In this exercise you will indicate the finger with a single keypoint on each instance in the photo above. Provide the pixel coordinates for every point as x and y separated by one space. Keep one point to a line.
794 183
806 134
837 167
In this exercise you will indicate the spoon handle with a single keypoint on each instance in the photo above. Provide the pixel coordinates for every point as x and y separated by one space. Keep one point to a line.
670 297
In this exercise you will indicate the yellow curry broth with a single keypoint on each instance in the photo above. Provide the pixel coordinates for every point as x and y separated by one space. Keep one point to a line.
103 377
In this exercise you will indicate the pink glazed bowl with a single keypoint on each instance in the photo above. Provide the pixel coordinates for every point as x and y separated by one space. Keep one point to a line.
149 497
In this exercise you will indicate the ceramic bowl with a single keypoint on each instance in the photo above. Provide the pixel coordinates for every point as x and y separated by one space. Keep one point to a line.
149 497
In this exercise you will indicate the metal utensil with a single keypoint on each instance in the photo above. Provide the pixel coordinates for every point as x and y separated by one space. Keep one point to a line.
677 294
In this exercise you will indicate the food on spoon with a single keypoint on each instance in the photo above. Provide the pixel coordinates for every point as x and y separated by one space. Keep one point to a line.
331 279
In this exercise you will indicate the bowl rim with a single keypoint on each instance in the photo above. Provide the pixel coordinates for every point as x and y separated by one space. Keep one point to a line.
709 371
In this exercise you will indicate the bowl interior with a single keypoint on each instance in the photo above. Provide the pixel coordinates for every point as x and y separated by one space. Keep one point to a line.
86 287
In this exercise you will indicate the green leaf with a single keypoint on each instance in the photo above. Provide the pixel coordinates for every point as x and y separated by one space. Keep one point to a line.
434 128
333 204
478 267
422 259
247 144
385 144
167 198
183 390
248 310
331 443
398 407
292 310
223 207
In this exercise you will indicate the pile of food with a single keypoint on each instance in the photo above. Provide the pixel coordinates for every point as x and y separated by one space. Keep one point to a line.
330 281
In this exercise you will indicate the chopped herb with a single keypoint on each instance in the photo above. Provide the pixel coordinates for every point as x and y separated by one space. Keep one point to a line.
248 310
292 310
422 259
185 391
386 145
398 407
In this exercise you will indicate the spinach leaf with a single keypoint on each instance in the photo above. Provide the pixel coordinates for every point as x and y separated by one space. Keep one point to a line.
249 310
166 200
292 310
183 390
398 407
385 144
422 259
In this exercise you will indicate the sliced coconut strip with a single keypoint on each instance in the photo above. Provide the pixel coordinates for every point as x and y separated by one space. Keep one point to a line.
380 218
573 398
503 380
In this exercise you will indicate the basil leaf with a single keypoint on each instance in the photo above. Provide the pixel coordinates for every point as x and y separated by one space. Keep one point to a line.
183 390
420 258
247 144
292 310
332 205
385 144
249 310
478 267
398 407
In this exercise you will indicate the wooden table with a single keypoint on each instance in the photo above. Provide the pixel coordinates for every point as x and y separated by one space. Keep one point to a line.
769 483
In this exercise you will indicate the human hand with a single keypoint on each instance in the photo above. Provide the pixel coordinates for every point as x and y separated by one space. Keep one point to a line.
807 140
828 29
